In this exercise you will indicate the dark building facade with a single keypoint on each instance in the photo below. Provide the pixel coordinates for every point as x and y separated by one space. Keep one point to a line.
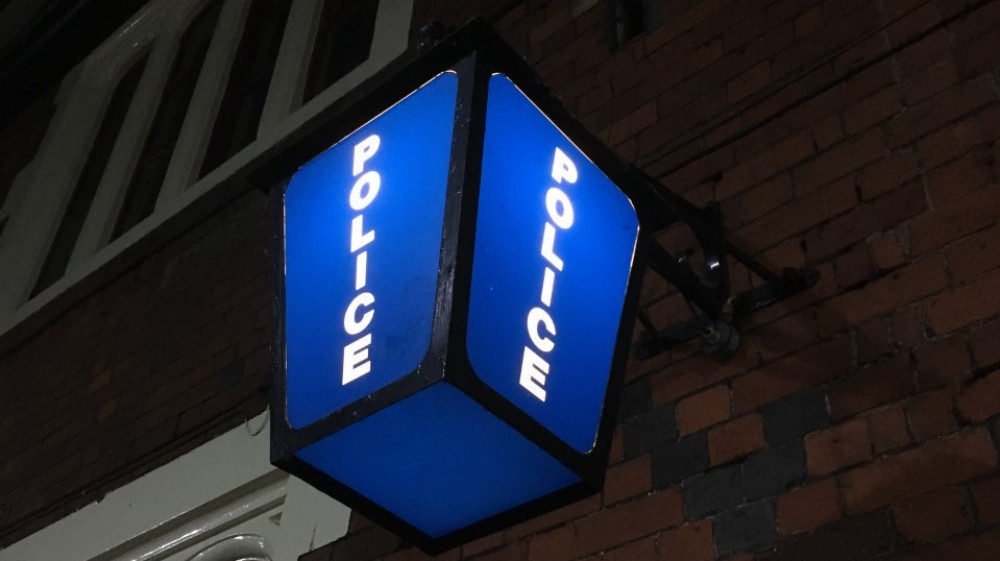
858 420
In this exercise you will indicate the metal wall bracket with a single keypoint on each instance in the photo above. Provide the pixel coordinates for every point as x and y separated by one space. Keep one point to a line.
714 308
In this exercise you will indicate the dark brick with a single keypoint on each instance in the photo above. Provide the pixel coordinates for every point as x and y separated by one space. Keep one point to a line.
635 398
970 257
841 446
872 386
675 461
985 341
230 375
808 507
692 542
735 439
788 334
860 537
552 519
981 400
958 218
645 431
484 544
970 547
987 496
719 489
872 340
627 479
358 522
938 110
935 464
973 56
321 554
554 544
642 549
362 546
855 267
774 470
931 415
880 214
746 528
964 305
795 416
627 522
888 430
798 372
934 516
703 410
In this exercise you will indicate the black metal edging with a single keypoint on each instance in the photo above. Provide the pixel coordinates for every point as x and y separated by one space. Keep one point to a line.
271 171
474 52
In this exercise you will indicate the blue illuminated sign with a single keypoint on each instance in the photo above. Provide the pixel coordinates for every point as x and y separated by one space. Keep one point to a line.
362 242
452 321
555 241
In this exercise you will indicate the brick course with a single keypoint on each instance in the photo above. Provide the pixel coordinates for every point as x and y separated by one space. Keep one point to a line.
838 447
167 356
703 410
808 507
735 439
935 516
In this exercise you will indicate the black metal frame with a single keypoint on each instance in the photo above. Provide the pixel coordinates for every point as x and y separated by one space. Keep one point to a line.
474 52
710 295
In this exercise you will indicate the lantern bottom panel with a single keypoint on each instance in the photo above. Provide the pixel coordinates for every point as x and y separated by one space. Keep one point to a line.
439 461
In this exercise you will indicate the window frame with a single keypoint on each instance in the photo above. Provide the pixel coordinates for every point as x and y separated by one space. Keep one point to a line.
38 199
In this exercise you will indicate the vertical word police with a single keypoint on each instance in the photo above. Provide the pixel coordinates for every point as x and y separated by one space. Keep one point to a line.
541 326
359 313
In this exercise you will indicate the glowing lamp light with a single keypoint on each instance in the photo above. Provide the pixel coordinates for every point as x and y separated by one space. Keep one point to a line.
456 271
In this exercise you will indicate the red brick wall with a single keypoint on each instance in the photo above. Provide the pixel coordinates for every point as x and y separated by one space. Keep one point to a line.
169 355
858 420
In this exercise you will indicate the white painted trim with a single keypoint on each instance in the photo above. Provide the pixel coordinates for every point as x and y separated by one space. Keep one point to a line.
81 103
243 547
42 196
249 538
195 133
292 65
391 37
189 503
166 34
29 232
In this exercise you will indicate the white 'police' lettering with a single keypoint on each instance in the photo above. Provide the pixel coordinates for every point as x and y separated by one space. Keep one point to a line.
541 326
356 321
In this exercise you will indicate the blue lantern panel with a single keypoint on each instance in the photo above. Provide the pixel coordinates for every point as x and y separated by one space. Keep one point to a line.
555 241
439 461
363 225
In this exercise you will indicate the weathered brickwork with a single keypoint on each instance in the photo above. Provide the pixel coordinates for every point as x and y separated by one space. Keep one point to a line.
169 355
859 420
